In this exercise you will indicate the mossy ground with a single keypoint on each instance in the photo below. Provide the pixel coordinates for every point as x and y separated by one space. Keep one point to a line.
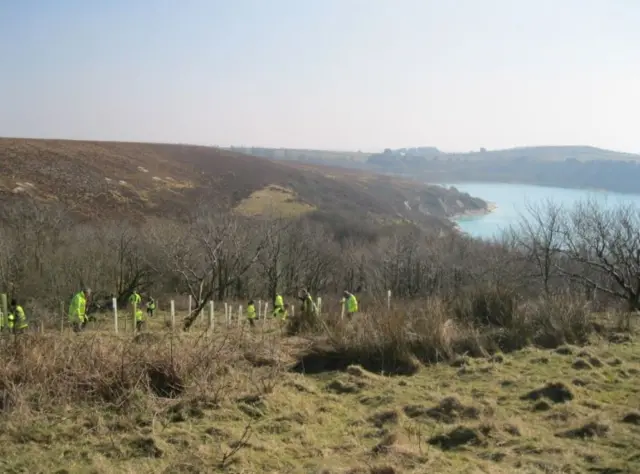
473 415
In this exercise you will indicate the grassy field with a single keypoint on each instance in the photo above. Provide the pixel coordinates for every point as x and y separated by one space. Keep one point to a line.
238 401
273 201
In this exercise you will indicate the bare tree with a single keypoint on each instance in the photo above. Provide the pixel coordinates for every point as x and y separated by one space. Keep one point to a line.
133 262
601 247
314 255
209 255
538 236
33 234
271 262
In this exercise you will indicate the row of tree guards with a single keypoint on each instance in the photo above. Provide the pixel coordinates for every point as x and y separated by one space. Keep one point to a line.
229 315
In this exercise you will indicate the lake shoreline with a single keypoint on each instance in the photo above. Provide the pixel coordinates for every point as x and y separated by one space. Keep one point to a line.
513 202
491 207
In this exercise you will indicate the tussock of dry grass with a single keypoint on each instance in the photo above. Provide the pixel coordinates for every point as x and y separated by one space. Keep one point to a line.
397 341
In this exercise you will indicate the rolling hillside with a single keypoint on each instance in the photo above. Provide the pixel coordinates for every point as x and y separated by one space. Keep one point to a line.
583 167
98 179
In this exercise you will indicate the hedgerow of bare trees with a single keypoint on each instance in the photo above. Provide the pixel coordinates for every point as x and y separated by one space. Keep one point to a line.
588 250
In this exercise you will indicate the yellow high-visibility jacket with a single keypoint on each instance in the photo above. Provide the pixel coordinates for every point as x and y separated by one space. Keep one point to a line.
77 308
17 319
21 322
352 304
135 298
278 302
251 311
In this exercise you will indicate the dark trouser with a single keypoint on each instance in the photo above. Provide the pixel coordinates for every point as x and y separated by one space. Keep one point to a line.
252 322
78 327
139 325
150 312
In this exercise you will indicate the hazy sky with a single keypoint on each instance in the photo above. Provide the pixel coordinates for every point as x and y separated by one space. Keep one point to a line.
337 74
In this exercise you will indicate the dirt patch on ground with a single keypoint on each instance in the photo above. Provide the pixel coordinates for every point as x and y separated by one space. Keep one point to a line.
456 438
389 417
449 410
146 447
164 381
329 359
557 392
632 418
581 364
589 430
564 350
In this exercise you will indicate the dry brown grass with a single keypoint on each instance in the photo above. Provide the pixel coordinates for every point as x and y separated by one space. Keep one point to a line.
235 401
434 331
436 385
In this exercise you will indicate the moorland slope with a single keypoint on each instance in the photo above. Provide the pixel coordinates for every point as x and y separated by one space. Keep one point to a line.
97 179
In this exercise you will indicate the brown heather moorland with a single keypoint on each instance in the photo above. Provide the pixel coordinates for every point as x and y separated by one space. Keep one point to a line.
100 179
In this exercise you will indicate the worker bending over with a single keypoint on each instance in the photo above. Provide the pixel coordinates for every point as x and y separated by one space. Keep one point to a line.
151 306
17 320
279 310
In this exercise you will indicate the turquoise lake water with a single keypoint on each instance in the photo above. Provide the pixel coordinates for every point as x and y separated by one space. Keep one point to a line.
512 199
